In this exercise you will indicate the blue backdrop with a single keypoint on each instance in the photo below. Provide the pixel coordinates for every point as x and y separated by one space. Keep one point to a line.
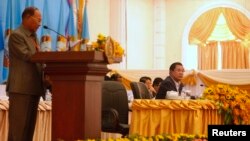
53 10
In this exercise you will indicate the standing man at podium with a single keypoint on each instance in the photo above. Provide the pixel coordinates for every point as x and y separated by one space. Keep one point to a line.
25 83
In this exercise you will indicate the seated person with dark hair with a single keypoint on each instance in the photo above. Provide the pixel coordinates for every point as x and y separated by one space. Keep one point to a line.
172 82
156 84
148 82
116 77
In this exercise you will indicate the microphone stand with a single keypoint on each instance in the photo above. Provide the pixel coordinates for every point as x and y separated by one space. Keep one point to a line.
68 43
67 38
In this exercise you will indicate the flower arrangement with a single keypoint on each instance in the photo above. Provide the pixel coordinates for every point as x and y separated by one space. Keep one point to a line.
233 102
163 137
101 43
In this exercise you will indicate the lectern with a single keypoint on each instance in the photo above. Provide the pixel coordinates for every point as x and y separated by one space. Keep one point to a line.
76 92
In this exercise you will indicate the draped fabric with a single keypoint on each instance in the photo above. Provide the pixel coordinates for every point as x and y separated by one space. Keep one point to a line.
190 79
194 78
203 27
152 117
43 125
62 42
234 55
4 106
43 122
208 56
72 28
80 4
1 39
85 25
236 77
238 24
45 42
12 21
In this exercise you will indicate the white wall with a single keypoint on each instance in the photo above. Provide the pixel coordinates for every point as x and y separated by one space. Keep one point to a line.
98 15
104 18
140 34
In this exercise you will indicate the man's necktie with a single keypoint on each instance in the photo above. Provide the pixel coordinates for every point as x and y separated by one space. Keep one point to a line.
33 37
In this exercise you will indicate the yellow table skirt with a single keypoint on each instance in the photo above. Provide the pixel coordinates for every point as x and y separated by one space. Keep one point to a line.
152 117
43 124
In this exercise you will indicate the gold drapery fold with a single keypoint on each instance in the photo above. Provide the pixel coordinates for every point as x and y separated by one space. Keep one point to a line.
237 22
173 104
208 56
43 124
190 79
204 26
234 55
126 83
4 106
208 82
152 117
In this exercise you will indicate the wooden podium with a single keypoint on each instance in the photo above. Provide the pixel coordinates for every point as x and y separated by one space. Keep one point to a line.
76 92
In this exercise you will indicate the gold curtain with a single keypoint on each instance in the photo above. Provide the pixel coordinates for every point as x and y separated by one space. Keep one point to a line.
208 56
204 26
43 121
238 23
234 55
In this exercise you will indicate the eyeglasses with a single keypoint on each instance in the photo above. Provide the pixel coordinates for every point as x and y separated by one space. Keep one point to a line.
38 21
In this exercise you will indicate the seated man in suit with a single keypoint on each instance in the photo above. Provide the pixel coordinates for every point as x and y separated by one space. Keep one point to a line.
172 82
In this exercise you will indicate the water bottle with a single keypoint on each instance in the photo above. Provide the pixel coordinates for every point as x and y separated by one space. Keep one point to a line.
48 95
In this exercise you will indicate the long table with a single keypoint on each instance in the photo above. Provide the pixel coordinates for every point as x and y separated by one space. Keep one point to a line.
153 117
43 122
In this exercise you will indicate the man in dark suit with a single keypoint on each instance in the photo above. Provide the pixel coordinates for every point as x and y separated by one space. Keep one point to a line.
172 82
25 82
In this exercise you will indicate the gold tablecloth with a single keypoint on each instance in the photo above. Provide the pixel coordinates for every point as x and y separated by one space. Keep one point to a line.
152 117
43 124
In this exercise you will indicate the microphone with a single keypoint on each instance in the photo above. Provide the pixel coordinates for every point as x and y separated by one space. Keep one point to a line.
202 85
67 38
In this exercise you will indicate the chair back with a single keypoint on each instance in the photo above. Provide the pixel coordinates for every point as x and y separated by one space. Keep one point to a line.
140 90
115 100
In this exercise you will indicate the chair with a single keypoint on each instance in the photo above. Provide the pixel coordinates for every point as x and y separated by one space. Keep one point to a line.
140 90
114 108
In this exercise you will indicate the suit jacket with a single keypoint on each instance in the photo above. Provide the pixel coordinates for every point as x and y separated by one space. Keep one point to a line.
25 77
167 85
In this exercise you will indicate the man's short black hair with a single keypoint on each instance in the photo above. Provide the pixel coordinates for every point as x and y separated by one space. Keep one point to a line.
172 66
29 11
157 81
144 78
